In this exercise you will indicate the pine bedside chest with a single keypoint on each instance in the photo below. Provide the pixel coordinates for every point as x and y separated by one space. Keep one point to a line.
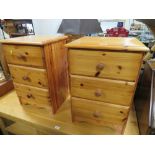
103 77
38 66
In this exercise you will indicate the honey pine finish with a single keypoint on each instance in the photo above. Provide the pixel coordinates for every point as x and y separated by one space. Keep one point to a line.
103 77
38 66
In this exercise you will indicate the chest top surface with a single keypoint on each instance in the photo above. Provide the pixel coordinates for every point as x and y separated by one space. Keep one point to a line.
109 43
34 40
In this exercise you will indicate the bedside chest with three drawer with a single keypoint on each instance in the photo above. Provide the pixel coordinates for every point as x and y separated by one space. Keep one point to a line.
103 76
38 66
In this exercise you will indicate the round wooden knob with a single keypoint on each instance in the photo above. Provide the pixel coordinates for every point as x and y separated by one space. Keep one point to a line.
98 93
26 103
100 66
26 78
30 96
96 114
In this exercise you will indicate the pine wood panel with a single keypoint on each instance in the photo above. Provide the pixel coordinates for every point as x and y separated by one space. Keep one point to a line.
34 40
99 110
30 89
29 76
117 92
109 43
110 128
33 96
99 113
41 110
57 72
105 64
61 71
24 55
38 102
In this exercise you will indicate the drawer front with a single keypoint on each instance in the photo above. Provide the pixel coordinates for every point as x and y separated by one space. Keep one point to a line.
29 76
24 55
33 96
114 65
98 113
117 92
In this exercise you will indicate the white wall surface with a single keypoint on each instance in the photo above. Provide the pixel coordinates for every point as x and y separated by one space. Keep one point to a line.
46 26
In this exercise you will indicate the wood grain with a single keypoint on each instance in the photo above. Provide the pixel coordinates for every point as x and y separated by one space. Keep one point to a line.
29 76
116 65
34 40
100 112
109 43
113 91
21 88
24 55
38 102
57 72
61 71
29 95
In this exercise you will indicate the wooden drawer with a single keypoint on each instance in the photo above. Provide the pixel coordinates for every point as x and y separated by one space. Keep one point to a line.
114 65
33 96
113 91
98 113
29 76
24 55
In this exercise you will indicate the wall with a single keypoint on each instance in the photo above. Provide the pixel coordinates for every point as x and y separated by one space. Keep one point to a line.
46 26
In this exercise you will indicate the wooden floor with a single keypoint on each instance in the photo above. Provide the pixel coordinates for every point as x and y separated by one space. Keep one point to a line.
60 123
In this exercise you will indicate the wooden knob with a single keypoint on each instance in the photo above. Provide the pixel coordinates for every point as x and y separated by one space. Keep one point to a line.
30 96
26 78
96 114
27 104
22 57
100 66
98 93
